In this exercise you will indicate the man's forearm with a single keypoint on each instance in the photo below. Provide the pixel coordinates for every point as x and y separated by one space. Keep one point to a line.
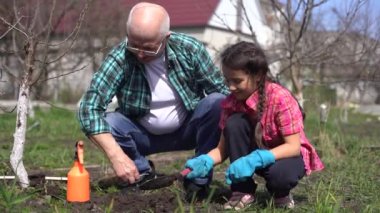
107 143
123 166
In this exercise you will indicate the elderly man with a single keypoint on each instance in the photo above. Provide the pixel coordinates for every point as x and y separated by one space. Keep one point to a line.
169 93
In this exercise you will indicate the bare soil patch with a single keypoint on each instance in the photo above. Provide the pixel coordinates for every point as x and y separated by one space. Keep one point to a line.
48 194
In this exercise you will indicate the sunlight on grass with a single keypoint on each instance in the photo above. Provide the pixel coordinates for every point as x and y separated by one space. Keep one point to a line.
51 143
349 183
326 198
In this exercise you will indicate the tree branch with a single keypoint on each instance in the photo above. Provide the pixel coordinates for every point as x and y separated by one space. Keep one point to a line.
15 12
64 74
248 22
76 30
60 17
10 27
43 65
277 7
35 16
15 48
14 26
305 20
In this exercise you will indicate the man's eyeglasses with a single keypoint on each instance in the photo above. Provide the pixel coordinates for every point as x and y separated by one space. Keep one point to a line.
145 52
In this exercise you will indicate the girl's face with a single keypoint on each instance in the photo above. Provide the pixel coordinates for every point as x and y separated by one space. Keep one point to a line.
240 83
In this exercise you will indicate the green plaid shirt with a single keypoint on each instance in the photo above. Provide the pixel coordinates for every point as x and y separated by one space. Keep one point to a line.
190 70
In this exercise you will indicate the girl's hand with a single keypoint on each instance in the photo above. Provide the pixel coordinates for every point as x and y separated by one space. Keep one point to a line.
200 166
244 167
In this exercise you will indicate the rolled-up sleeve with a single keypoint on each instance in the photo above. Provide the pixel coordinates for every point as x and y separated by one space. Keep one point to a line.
96 99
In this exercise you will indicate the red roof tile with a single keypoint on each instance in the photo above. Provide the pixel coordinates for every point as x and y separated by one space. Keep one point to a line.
186 13
183 13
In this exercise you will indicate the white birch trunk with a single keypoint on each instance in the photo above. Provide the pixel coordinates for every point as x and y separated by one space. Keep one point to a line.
16 157
17 154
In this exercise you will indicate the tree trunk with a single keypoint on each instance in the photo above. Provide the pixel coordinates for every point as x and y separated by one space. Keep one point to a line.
297 83
19 136
16 158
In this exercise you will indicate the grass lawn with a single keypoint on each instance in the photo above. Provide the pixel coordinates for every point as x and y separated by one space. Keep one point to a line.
350 151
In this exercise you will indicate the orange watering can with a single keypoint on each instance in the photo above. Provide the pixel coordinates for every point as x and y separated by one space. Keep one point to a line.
78 179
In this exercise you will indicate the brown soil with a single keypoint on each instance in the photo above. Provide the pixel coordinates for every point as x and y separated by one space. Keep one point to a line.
49 196
167 199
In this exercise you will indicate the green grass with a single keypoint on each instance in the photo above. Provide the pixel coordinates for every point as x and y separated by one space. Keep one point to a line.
50 139
351 180
11 196
349 183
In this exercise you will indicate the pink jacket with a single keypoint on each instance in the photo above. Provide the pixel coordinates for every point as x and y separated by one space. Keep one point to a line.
281 117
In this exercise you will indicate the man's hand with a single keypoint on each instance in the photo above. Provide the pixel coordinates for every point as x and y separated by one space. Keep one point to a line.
125 168
244 167
200 166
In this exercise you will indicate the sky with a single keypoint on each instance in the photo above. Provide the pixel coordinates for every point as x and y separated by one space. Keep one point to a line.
330 20
371 7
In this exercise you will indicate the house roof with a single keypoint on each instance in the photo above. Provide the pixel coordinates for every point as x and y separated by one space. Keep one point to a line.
183 13
186 13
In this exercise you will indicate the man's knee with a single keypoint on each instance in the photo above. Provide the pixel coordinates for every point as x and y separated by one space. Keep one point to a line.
119 124
217 98
113 118
214 100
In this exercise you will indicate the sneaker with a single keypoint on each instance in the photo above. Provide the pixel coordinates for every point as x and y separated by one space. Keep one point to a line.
239 200
284 202
144 177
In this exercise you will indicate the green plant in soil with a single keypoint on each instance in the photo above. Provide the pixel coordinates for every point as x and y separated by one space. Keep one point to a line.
12 196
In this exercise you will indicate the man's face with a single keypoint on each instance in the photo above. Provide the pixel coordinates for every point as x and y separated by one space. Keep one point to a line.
146 50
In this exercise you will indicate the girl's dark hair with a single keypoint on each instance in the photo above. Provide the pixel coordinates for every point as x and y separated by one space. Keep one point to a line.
247 56
250 57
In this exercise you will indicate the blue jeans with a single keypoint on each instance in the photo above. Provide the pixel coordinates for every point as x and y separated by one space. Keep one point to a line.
200 130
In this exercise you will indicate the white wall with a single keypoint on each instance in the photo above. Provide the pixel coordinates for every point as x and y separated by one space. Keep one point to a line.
225 17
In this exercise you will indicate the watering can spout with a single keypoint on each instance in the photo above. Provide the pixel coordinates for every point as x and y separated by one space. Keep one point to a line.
78 179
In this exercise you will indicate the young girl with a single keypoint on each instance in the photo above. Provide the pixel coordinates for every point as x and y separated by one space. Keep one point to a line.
263 132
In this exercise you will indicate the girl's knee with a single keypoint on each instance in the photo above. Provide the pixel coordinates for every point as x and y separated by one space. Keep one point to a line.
237 121
282 183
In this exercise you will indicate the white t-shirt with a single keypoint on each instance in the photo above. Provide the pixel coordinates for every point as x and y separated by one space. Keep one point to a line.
167 111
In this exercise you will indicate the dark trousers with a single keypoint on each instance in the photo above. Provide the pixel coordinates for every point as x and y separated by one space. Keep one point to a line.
280 177
200 131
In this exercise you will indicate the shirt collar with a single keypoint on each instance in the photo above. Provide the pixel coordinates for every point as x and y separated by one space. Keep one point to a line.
253 100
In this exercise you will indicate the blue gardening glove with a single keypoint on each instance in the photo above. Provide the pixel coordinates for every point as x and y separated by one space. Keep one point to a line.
200 166
244 167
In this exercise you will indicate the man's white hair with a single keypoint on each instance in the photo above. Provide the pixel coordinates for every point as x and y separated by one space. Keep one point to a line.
165 25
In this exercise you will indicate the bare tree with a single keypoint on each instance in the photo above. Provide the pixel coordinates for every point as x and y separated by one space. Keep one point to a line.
296 17
27 25
109 28
356 57
306 41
